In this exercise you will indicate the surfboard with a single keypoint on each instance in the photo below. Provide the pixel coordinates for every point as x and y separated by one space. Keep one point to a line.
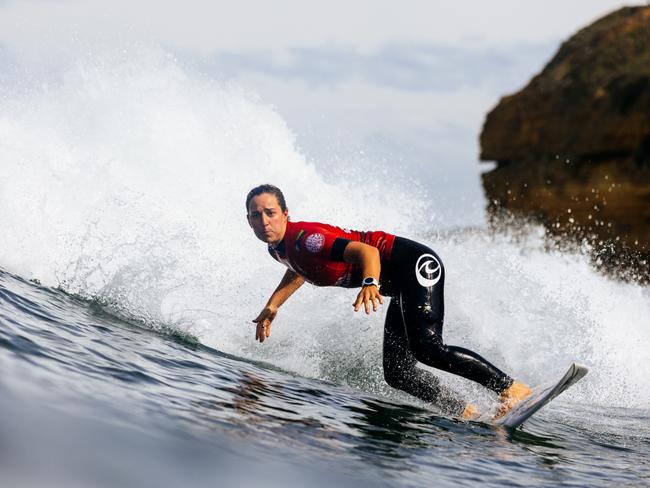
541 396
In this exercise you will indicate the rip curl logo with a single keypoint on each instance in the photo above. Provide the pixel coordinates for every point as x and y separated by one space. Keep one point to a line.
315 242
428 270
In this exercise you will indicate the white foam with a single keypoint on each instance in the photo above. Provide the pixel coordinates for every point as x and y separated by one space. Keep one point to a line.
535 311
126 179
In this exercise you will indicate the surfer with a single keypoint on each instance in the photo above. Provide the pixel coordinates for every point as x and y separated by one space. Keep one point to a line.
409 272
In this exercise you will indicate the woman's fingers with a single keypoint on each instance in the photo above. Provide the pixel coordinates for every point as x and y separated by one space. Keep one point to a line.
263 321
369 298
358 301
262 330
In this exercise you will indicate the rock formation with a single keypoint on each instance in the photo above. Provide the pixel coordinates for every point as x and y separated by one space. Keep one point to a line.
573 147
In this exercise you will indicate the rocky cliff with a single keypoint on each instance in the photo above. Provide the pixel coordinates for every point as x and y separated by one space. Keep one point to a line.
573 147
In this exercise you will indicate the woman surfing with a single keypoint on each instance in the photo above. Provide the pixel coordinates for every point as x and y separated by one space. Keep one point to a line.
381 264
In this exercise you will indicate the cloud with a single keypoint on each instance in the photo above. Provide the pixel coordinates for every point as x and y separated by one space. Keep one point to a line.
411 67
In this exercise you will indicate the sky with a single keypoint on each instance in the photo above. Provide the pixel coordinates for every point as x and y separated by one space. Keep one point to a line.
397 85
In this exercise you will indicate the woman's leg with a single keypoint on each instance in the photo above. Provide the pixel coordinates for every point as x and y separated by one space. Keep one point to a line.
400 366
421 276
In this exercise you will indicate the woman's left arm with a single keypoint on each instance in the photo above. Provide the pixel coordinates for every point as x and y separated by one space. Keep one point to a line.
368 258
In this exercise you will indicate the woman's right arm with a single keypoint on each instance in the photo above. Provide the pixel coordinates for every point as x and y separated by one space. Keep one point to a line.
290 282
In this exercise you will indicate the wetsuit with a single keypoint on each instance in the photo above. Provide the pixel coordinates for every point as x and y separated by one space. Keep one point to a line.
413 275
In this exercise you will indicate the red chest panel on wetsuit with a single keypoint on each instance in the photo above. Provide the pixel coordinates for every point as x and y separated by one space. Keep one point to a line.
308 248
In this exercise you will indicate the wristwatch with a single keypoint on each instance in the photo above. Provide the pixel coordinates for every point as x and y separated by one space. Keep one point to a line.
370 281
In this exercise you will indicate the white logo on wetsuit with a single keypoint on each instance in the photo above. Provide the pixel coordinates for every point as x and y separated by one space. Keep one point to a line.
428 270
315 242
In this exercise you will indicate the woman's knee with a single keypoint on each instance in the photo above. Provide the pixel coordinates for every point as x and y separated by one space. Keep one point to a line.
429 349
393 379
396 373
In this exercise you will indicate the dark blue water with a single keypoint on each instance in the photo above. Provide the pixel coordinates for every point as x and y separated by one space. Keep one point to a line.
89 399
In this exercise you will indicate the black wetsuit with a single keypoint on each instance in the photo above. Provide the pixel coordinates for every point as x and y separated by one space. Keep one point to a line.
414 276
413 330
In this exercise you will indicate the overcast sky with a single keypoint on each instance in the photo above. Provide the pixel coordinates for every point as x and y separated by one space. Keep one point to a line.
406 83
246 25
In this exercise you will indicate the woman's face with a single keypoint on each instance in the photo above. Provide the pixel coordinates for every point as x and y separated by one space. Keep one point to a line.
267 219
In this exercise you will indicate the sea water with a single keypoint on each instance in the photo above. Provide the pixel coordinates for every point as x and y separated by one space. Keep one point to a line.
130 279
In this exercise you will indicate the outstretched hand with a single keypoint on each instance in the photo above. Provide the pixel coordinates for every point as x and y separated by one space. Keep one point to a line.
263 321
368 296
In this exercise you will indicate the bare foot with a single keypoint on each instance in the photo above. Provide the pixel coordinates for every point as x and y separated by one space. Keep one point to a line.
511 397
470 412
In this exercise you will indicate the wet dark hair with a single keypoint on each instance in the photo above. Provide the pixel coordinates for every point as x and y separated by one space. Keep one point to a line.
266 188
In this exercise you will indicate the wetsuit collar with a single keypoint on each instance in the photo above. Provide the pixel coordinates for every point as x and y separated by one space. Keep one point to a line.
281 247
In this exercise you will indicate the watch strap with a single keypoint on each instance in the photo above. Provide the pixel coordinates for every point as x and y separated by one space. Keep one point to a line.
369 281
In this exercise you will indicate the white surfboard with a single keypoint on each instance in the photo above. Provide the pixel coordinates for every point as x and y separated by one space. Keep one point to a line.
541 396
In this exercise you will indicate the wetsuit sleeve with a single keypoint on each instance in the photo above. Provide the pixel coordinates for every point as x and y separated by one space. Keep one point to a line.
338 248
